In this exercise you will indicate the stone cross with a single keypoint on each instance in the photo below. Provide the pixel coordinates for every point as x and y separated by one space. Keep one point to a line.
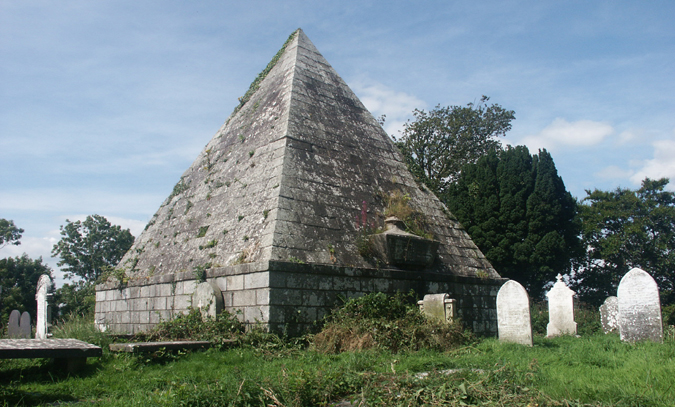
560 310
609 315
513 314
44 289
639 307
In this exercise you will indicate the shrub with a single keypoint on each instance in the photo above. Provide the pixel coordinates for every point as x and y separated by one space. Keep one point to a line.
377 320
191 326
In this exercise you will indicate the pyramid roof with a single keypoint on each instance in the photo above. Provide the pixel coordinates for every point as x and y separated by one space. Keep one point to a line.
290 177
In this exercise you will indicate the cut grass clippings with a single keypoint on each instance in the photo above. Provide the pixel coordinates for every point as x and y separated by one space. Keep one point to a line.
567 371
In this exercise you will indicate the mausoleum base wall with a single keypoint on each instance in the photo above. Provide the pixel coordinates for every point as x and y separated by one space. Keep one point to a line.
287 297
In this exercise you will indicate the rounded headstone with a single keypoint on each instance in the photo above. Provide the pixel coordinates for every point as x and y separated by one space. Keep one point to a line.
208 298
13 324
513 314
639 307
24 326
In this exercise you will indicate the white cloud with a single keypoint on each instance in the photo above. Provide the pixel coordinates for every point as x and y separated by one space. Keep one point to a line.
397 106
81 200
614 172
561 133
661 166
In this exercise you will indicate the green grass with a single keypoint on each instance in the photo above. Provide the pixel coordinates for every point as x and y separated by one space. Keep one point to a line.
596 370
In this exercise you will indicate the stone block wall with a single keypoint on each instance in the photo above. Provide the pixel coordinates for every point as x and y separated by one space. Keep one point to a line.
288 297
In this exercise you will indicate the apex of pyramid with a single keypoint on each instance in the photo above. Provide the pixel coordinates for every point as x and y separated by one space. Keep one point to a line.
300 172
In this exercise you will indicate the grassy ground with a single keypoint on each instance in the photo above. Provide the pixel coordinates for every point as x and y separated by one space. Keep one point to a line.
597 370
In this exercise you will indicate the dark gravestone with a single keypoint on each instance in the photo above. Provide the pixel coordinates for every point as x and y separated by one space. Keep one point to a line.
13 325
24 326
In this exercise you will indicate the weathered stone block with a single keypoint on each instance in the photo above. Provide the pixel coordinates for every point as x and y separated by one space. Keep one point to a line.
256 280
235 283
243 298
263 296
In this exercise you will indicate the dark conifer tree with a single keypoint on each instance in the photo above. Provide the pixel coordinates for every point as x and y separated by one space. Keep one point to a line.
518 212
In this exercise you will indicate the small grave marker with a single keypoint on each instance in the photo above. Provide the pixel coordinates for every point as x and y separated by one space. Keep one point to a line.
513 314
560 310
208 298
24 325
639 307
13 324
609 315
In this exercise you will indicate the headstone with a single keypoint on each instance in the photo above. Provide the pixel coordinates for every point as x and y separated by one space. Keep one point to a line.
44 288
24 326
560 310
208 299
513 314
609 315
639 307
438 306
13 325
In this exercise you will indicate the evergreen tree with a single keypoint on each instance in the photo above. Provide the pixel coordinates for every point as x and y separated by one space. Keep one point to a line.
516 209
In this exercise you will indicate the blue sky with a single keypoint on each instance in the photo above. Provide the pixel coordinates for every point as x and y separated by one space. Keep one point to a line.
104 104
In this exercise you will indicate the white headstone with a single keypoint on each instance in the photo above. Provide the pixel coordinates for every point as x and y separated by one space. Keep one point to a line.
639 307
44 289
24 325
208 298
560 310
609 315
513 314
13 324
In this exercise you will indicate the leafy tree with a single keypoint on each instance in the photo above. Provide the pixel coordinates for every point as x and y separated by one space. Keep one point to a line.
516 209
623 229
436 145
9 233
78 298
89 248
19 277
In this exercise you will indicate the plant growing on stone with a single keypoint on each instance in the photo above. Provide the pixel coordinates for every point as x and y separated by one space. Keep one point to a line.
398 205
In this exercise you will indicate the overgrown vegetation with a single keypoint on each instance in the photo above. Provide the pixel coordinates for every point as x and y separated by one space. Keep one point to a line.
394 323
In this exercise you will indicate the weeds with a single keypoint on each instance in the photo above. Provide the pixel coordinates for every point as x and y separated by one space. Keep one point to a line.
379 321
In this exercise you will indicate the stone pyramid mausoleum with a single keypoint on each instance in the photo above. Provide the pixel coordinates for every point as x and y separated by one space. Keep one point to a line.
281 214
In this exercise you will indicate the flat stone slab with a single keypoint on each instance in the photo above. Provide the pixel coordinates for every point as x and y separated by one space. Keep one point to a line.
47 348
155 346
